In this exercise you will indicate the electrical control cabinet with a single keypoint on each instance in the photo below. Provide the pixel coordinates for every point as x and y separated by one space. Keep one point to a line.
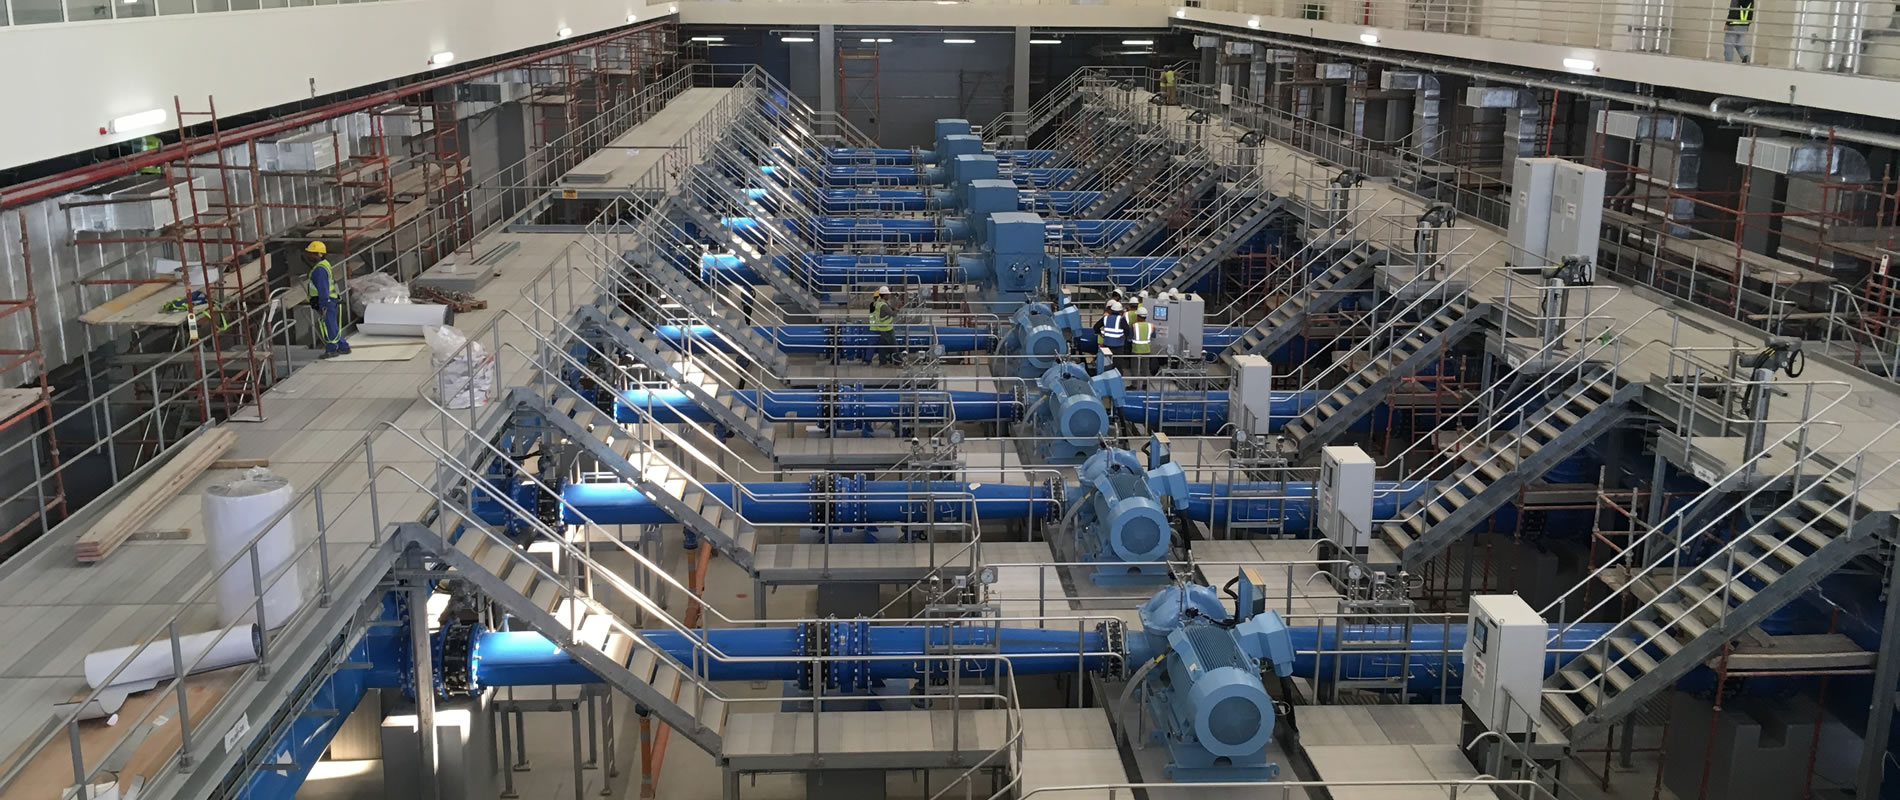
1345 496
1253 386
1576 212
1530 210
1179 320
1504 662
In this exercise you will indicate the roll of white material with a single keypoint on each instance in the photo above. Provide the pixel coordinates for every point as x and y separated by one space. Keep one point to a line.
220 649
234 513
108 790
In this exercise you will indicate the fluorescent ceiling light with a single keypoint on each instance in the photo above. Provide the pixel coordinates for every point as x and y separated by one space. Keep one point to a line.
132 122
959 41
1580 64
795 39
632 17
1369 38
564 32
947 2
883 41
1138 42
443 58
1045 41
1181 13
875 41
1253 22
709 38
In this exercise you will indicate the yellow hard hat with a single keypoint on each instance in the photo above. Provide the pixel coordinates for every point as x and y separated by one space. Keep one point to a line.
318 248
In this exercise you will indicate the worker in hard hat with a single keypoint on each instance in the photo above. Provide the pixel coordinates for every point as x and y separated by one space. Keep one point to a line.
1111 331
884 326
1168 80
324 290
1141 336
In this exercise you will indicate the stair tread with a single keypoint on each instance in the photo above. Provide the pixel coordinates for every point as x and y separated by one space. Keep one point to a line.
1633 654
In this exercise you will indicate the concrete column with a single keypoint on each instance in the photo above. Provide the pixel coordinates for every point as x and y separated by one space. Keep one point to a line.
1020 97
1210 60
828 71
463 756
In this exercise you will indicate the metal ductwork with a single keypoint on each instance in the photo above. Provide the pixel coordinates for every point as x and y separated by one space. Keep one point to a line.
1662 149
1819 174
1428 110
1522 120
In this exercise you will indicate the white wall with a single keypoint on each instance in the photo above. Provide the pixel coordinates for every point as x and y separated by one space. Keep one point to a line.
1823 90
965 13
67 80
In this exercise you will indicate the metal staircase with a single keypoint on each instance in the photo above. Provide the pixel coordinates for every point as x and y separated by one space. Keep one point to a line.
1489 473
552 605
1415 345
714 396
1185 181
697 198
728 322
1321 295
1695 606
662 482
1246 211
1129 179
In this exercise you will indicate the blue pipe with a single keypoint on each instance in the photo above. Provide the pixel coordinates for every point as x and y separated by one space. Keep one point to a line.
1209 410
1208 502
891 156
528 658
875 200
869 406
793 502
841 269
817 339
838 231
1033 177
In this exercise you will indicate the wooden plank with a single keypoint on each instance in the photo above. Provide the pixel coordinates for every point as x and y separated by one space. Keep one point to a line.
138 507
49 772
102 313
239 463
162 535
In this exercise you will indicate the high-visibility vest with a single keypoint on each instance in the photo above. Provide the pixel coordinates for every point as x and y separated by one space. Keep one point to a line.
1167 78
1741 13
310 283
1144 333
881 317
149 144
1112 330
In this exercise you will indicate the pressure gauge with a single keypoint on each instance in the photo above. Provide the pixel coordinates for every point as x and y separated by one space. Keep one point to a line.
956 438
986 576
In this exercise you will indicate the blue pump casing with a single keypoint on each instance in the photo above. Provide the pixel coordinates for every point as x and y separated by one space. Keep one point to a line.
1123 515
1071 413
1205 698
1013 262
1039 335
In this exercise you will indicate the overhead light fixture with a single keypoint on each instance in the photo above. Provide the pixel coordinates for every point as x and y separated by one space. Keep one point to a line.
1138 42
632 16
947 2
1580 64
959 41
796 39
1253 22
883 41
564 32
1180 13
875 41
442 59
1045 41
673 9
709 38
1369 38
132 122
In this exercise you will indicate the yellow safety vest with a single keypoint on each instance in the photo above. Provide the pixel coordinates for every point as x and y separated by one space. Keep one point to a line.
1144 333
881 317
1167 79
310 283
149 144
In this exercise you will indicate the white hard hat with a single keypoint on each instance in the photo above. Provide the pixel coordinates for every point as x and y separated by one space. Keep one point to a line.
1114 305
883 290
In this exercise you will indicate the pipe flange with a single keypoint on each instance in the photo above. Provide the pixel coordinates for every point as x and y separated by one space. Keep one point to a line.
1058 496
455 674
1115 638
811 641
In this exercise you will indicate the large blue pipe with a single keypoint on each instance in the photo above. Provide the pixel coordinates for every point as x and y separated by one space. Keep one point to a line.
875 200
840 231
868 405
891 156
791 502
834 270
527 658
818 340
1291 501
1037 178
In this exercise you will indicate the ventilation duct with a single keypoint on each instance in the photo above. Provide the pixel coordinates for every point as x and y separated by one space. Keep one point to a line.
1428 109
1522 118
1659 157
1822 201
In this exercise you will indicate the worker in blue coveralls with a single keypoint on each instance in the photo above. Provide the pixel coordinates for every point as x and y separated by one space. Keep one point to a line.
324 291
